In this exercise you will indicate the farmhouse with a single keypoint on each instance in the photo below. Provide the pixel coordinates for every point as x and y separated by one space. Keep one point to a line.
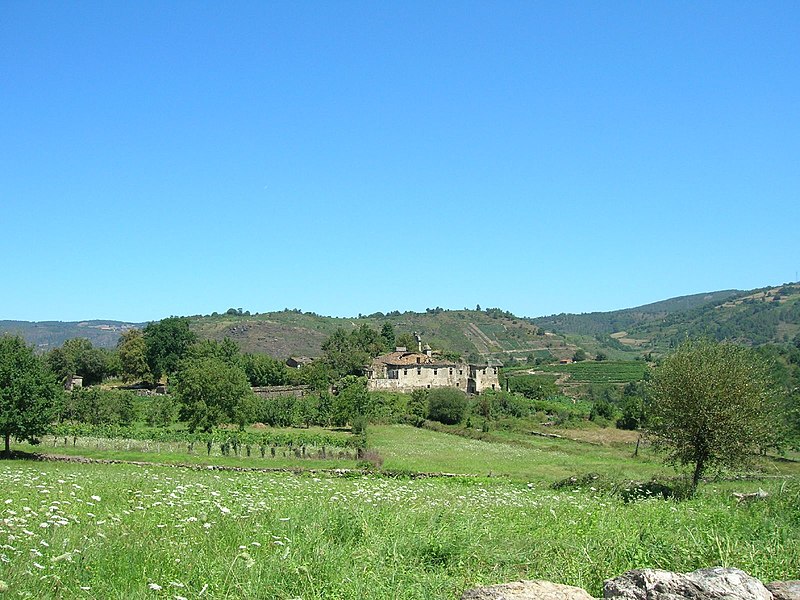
405 371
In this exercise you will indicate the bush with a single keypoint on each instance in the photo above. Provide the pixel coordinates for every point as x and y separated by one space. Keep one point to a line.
447 405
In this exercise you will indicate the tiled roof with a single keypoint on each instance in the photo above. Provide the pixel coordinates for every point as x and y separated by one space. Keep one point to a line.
410 359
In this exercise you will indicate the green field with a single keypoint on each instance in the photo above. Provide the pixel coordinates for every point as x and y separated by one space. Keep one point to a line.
72 530
122 531
601 372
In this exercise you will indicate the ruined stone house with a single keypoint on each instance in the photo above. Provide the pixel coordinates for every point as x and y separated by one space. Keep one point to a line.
404 371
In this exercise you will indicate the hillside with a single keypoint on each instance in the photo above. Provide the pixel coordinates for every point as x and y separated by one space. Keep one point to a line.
770 314
606 323
51 334
491 333
764 315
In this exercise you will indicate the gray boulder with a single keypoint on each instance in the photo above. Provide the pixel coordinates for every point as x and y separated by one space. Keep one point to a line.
527 590
785 590
716 583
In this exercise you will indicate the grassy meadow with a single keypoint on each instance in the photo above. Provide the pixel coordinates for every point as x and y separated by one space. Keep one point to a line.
126 531
163 531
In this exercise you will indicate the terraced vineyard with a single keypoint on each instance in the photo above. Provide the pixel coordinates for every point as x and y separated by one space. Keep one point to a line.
601 372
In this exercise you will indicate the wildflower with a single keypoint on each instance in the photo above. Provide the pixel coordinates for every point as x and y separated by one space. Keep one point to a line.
3 587
154 586
96 498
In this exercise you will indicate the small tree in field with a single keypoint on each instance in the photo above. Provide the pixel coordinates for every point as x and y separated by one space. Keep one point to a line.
446 405
27 392
712 405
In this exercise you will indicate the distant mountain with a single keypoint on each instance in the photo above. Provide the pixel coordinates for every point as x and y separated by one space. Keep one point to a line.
51 334
764 315
751 317
606 323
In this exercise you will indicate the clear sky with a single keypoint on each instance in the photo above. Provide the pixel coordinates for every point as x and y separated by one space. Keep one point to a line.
161 158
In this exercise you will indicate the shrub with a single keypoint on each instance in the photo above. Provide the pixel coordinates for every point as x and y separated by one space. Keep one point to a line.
447 405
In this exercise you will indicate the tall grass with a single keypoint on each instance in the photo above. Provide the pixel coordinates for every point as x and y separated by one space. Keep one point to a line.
120 531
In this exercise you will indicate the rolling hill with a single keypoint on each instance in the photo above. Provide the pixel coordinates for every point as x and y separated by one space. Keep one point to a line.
770 314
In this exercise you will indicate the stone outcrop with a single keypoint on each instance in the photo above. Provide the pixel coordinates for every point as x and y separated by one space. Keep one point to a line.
716 583
785 590
705 584
525 590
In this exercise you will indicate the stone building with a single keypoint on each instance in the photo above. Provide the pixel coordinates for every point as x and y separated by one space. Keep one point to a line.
404 371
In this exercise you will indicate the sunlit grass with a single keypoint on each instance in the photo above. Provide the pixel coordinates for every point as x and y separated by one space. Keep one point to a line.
122 531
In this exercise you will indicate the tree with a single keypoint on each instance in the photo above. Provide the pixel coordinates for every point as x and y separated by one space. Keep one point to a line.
407 341
77 356
446 405
712 405
387 333
264 370
212 392
132 352
580 354
167 341
27 392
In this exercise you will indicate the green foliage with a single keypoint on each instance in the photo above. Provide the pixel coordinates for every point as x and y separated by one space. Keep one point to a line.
97 406
167 342
28 392
132 352
446 405
78 357
263 370
536 387
227 351
713 405
624 371
212 392
387 334
351 401
406 340
161 410
580 355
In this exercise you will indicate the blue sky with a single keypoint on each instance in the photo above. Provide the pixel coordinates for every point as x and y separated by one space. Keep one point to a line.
162 158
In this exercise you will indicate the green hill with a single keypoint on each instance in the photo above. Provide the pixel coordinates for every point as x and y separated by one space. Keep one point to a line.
491 333
51 334
765 315
753 317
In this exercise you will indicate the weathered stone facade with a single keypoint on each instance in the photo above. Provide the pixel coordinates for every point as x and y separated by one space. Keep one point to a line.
404 371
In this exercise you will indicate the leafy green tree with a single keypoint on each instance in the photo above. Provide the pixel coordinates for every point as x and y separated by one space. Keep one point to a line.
212 392
406 340
78 356
580 355
28 391
418 404
132 352
97 406
167 342
447 405
388 337
713 405
351 401
264 370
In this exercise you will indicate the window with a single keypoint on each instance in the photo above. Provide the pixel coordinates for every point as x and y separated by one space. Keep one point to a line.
451 370
405 371
436 371
418 360
461 371
419 371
